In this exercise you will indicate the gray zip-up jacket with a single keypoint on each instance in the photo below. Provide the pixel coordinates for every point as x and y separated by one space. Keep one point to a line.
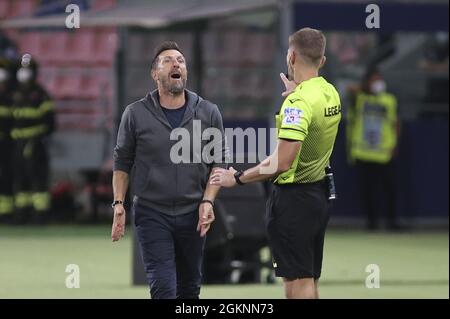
144 141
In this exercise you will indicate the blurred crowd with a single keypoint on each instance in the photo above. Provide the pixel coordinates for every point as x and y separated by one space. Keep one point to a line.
26 122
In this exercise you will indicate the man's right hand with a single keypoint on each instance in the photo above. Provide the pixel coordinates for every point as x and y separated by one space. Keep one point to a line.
288 84
118 226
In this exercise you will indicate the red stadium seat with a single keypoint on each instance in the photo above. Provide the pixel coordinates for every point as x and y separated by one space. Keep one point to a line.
90 86
4 9
95 84
103 4
81 46
48 78
30 42
54 51
105 47
22 8
69 86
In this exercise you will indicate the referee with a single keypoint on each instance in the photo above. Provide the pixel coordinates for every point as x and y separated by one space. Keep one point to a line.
297 210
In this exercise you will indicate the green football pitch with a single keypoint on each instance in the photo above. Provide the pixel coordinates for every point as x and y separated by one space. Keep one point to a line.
33 264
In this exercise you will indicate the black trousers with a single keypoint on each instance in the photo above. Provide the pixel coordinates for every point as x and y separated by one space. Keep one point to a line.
172 252
378 190
31 175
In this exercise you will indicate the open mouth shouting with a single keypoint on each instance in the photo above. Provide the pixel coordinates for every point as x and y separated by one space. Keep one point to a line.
175 75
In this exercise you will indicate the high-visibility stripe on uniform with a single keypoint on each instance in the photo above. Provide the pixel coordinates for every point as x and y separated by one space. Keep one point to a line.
5 111
22 199
6 204
28 132
41 201
32 112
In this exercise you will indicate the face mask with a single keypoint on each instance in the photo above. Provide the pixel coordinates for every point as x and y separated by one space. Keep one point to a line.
378 86
3 75
24 75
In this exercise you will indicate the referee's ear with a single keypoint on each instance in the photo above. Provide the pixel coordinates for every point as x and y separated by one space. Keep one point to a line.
322 61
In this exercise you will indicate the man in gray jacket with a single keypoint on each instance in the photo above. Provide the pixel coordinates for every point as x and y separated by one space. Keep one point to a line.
173 202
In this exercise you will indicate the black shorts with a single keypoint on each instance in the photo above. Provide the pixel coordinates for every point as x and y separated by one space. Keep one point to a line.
297 217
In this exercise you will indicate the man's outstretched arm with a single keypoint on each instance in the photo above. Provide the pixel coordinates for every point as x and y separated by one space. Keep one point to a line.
278 162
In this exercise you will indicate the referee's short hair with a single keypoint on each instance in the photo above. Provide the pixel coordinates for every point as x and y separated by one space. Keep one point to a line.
310 44
167 45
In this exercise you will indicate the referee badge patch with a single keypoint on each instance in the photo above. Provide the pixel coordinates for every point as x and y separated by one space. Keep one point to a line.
292 116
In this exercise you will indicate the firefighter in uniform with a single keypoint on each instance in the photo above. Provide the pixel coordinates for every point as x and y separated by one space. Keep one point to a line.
33 123
6 191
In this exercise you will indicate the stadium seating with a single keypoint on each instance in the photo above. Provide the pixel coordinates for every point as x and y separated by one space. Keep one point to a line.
4 9
81 47
105 46
69 86
74 66
98 5
54 46
14 8
30 42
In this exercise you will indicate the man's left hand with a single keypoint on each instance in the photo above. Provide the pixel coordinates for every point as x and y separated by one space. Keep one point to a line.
205 218
223 177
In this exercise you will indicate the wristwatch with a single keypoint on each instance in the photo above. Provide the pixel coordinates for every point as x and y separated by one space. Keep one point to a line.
237 175
116 202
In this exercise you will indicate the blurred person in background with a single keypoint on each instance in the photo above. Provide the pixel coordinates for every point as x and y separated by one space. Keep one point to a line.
33 123
373 131
6 178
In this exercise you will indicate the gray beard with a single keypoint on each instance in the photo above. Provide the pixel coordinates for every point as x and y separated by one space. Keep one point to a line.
175 89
